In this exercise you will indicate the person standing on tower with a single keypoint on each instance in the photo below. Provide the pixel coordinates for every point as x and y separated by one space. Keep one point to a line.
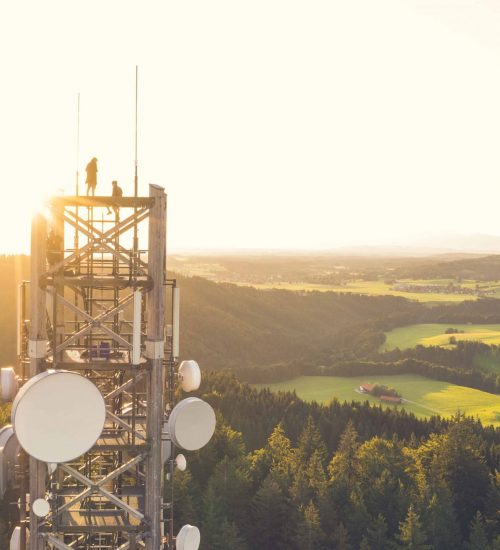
91 176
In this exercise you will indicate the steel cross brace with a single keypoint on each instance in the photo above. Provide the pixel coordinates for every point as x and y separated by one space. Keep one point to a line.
117 420
58 543
92 488
102 239
112 233
93 322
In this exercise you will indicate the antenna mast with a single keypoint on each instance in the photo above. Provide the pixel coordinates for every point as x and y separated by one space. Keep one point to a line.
77 142
136 177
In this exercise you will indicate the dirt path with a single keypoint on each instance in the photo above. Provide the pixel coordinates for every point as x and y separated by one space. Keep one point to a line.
423 406
408 401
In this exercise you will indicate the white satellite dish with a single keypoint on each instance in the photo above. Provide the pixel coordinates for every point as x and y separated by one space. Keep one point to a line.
188 538
191 424
10 448
40 507
5 434
181 462
58 416
15 539
8 383
190 375
10 445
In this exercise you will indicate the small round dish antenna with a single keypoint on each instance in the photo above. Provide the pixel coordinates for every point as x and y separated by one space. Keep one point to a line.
40 507
190 375
181 462
191 424
58 416
188 538
8 383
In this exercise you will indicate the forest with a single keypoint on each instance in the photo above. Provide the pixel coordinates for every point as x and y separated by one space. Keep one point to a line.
283 474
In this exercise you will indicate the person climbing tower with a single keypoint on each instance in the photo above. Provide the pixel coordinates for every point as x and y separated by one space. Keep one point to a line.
116 193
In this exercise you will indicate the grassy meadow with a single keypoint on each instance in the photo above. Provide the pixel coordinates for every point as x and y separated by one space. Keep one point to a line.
425 397
433 334
371 288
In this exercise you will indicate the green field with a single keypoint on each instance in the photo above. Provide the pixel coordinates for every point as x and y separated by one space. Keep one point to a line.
433 334
371 288
426 397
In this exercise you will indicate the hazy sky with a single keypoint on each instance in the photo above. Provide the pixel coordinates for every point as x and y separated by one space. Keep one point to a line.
272 124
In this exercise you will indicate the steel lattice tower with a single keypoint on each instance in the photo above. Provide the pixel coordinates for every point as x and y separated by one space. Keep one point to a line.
83 300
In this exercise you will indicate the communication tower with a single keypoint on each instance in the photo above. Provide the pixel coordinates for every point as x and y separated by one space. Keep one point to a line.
95 425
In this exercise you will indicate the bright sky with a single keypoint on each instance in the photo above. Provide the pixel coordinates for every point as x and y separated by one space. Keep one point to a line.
271 123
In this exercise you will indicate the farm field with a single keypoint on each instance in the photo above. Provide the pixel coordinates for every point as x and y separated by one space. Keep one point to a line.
425 397
372 288
433 334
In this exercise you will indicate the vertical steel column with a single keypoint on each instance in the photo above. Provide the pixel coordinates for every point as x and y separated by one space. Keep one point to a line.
37 353
58 322
155 353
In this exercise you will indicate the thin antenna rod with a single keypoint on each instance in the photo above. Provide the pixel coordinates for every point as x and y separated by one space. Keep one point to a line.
75 238
136 179
77 142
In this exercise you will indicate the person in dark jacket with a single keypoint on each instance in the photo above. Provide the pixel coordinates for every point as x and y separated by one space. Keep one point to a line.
91 180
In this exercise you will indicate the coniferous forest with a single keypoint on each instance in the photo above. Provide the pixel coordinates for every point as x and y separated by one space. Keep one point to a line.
283 474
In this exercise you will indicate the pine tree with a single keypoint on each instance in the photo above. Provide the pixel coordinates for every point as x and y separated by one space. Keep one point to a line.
477 538
376 534
460 464
213 516
273 525
341 538
345 461
309 533
411 535
280 452
310 441
184 499
227 538
440 521
231 484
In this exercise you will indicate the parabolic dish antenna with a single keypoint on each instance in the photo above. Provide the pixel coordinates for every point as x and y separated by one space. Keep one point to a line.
181 462
15 539
9 443
190 375
8 383
40 507
188 538
191 424
58 415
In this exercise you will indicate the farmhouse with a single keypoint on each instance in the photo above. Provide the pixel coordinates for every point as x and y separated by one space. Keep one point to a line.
390 399
366 387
